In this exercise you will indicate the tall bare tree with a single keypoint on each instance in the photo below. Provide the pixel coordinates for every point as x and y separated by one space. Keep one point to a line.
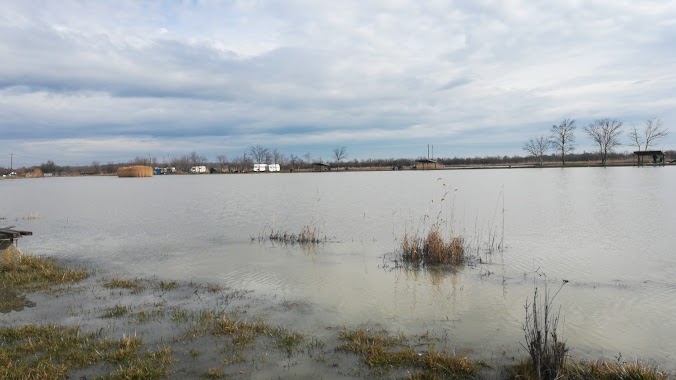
653 131
259 153
563 138
340 153
606 134
537 147
196 159
278 157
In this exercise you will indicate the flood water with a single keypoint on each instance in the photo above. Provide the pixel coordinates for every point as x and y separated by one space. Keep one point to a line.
609 232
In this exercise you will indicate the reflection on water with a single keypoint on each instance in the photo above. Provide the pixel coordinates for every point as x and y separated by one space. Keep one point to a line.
607 231
13 301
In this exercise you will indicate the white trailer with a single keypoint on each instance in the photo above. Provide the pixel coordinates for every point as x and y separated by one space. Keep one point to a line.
198 169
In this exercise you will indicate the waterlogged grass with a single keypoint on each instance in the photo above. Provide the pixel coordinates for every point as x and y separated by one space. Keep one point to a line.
119 283
51 351
379 350
595 370
37 273
307 235
245 333
117 311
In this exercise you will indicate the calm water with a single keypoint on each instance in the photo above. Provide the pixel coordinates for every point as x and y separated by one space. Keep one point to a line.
609 232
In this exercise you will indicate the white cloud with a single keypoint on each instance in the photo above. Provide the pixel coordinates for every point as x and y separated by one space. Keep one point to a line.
306 74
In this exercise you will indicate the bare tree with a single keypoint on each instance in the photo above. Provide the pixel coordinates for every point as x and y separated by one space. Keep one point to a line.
222 161
606 134
537 147
340 153
294 161
278 157
652 132
195 159
563 138
259 153
308 157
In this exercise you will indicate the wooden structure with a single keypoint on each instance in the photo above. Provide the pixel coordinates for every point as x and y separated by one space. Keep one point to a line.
8 234
320 166
424 161
657 157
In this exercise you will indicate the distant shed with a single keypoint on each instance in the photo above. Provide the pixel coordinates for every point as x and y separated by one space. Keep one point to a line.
657 157
320 166
425 161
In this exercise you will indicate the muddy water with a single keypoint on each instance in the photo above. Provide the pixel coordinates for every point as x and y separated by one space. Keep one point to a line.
608 232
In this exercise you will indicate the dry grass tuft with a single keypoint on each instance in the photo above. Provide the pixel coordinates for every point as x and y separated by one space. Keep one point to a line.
37 273
135 171
118 283
434 249
380 350
595 370
51 351
614 370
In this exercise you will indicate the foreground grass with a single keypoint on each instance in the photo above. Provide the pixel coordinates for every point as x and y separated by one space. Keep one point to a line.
595 370
381 351
37 273
51 351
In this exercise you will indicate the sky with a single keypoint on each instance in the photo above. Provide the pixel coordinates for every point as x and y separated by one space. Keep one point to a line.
107 81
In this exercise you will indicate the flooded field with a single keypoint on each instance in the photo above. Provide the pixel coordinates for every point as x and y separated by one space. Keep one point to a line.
608 232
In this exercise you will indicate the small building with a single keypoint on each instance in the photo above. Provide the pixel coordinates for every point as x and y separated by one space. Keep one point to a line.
260 167
425 161
657 157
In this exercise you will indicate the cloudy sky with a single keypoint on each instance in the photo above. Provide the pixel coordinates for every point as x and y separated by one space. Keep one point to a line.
110 80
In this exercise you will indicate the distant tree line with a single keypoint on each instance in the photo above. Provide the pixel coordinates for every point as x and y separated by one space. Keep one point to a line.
558 146
604 133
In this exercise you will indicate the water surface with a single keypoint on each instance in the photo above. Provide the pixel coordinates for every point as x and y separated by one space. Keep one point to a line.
608 232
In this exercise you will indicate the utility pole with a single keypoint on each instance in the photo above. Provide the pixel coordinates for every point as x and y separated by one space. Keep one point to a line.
11 162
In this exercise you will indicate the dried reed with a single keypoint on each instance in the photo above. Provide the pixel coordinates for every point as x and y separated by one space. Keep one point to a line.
434 249
547 353
135 171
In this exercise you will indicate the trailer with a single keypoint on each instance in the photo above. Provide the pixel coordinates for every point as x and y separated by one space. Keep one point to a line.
198 169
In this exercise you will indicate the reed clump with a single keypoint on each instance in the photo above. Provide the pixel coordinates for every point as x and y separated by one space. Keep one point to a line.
135 171
434 249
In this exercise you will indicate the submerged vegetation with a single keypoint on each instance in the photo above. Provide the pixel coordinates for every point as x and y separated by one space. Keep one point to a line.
381 351
307 235
135 171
